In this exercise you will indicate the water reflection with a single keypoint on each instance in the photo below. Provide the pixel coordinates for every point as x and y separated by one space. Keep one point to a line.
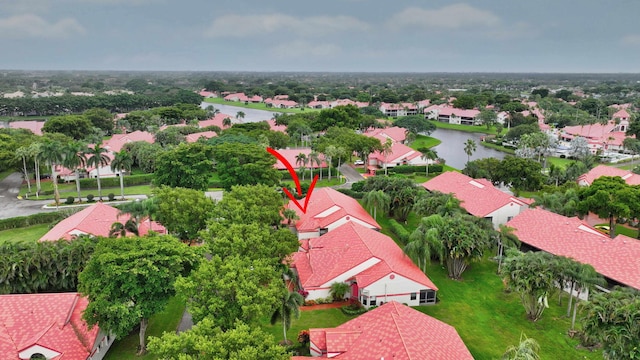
452 147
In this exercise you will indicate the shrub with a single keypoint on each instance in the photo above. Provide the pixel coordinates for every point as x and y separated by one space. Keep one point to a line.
40 218
310 303
353 194
70 200
142 179
90 198
399 231
304 293
354 308
358 186
111 196
339 290
303 337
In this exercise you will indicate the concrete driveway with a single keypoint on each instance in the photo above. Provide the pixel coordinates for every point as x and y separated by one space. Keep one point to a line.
11 206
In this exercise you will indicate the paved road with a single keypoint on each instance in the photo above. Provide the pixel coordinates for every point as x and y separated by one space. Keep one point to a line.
350 174
11 206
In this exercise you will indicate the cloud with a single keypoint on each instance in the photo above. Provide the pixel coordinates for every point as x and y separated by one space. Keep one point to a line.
296 49
631 39
253 25
34 26
457 16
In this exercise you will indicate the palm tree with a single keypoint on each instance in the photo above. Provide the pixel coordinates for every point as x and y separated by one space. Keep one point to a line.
23 153
75 159
138 210
240 115
423 240
97 157
340 152
585 279
301 161
329 154
52 154
35 150
226 122
314 158
122 162
527 349
508 238
428 154
469 148
386 151
377 199
290 215
288 309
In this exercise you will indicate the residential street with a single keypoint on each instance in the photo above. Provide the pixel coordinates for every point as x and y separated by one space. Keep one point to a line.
350 174
11 206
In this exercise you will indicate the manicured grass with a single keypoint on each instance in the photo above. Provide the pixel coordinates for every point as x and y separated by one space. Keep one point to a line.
467 128
559 162
423 141
498 147
257 106
166 320
621 229
327 318
321 183
26 234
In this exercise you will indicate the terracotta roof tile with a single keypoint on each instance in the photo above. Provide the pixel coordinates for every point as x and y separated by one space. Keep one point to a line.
392 331
52 321
348 246
617 259
478 196
604 170
324 199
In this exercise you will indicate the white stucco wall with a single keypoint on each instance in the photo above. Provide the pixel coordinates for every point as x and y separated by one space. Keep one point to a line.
398 289
323 290
501 215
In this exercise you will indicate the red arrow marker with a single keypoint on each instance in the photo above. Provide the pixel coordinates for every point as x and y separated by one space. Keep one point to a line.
294 176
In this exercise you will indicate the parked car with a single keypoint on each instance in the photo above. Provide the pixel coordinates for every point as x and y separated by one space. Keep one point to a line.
602 228
358 162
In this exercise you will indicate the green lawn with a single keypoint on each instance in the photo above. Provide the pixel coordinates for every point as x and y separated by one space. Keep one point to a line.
498 147
624 230
308 319
489 320
559 162
23 118
257 106
466 128
321 183
30 233
423 141
166 320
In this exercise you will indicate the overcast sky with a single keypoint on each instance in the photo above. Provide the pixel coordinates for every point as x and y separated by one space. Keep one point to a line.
326 35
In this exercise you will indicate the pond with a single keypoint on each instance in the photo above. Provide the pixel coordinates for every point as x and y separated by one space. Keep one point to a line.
452 147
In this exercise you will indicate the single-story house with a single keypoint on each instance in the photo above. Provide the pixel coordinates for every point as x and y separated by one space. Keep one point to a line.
218 120
478 197
243 98
49 325
191 138
400 155
374 266
615 259
96 220
397 134
603 170
392 331
281 103
327 209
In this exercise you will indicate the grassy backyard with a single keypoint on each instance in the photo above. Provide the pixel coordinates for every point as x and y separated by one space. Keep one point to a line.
308 320
165 321
26 234
465 128
423 141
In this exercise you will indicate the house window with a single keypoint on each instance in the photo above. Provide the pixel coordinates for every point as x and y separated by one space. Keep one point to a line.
509 218
364 300
414 296
324 231
373 301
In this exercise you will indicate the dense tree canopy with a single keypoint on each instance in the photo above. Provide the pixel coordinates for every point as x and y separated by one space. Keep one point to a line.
245 165
74 126
416 124
129 279
186 165
184 212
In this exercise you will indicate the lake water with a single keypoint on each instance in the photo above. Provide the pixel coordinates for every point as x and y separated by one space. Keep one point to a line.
250 115
451 149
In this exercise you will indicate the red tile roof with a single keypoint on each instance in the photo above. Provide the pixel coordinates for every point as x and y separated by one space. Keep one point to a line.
591 131
191 138
392 331
52 321
604 170
274 127
617 259
324 199
218 120
621 114
478 196
117 141
399 153
348 246
451 111
95 220
34 126
395 133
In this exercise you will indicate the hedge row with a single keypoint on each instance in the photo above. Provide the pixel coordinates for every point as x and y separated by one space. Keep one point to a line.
352 312
399 231
353 194
35 219
409 169
131 180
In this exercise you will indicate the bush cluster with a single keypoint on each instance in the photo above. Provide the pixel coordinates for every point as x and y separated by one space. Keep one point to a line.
354 308
399 231
41 218
410 169
142 179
